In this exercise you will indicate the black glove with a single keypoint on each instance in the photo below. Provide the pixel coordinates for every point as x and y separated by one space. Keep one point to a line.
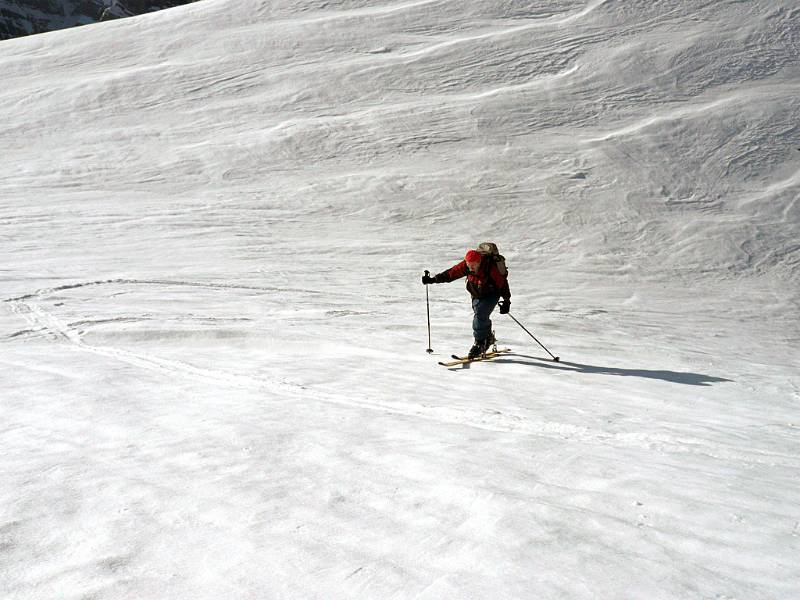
426 279
505 306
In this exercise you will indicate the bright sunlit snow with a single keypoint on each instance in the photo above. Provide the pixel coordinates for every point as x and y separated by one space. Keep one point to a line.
214 222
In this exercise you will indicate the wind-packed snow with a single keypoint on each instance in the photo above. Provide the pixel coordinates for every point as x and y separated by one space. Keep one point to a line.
213 330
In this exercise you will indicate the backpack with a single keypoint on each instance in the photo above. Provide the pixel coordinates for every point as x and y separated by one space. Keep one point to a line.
490 249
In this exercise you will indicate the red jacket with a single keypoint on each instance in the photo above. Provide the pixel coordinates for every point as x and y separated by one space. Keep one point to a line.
488 281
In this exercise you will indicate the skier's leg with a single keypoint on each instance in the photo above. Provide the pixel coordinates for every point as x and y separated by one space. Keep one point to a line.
481 322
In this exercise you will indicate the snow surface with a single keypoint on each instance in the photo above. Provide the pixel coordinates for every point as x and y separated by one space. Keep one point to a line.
213 332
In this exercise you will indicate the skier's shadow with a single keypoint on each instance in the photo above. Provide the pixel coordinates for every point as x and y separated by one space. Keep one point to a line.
671 376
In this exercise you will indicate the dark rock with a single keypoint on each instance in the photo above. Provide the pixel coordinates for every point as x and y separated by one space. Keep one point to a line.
27 17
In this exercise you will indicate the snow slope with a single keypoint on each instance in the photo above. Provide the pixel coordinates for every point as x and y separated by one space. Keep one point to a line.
214 221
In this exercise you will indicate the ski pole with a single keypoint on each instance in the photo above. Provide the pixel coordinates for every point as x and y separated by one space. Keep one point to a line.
428 306
555 358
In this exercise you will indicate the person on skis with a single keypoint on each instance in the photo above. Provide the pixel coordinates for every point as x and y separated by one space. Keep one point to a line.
487 284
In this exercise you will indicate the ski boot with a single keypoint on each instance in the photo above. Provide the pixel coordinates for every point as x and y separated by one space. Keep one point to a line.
480 347
491 343
476 350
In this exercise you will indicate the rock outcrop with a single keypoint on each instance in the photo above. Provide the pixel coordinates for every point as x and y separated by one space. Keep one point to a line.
27 17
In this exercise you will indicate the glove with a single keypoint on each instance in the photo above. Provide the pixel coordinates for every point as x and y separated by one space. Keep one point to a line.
505 306
426 279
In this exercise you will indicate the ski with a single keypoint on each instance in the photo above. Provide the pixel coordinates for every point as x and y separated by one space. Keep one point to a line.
463 360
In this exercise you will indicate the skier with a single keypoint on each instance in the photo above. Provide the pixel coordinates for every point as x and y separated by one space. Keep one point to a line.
487 283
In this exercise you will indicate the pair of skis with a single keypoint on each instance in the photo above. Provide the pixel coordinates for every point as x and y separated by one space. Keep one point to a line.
463 360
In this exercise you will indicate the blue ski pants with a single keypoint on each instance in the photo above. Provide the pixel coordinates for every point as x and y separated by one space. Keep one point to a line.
481 323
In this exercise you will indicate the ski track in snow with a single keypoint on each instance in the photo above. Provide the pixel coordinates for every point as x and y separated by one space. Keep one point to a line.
635 161
40 320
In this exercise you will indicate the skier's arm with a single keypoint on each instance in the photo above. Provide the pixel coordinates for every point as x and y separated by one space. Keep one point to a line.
456 272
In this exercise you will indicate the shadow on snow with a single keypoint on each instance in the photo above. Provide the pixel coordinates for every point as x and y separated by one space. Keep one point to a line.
671 376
